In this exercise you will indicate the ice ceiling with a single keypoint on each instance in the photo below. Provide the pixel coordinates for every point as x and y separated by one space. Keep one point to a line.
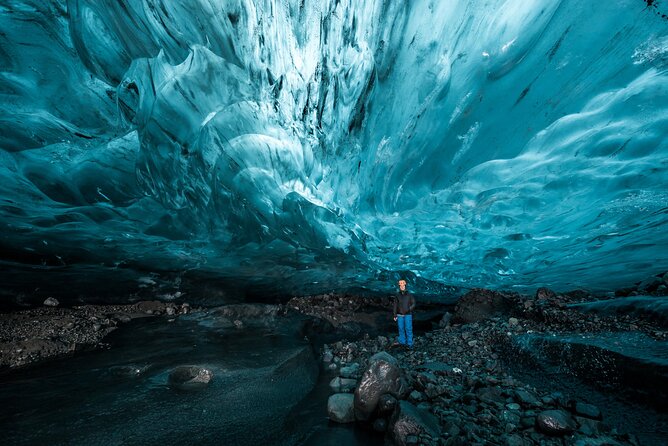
306 144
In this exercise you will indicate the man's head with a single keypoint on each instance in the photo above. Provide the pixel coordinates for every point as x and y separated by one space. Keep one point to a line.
402 284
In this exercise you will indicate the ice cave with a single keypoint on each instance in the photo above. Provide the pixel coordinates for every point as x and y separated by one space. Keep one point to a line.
306 222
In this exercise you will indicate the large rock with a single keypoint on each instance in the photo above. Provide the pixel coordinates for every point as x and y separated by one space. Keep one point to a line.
555 422
408 420
340 408
382 376
51 302
479 304
190 377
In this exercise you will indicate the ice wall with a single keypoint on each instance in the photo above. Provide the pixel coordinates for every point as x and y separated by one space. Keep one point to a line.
309 144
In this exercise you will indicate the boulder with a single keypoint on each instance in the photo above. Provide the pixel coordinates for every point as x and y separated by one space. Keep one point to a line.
479 304
340 408
555 422
190 377
51 302
383 375
150 306
409 421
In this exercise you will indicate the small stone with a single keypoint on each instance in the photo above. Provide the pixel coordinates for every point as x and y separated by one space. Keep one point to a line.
339 384
238 324
527 422
511 417
386 404
170 310
588 411
51 302
97 327
351 370
513 321
327 356
445 320
514 440
526 398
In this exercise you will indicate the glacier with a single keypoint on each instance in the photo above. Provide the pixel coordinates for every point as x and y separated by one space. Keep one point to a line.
296 146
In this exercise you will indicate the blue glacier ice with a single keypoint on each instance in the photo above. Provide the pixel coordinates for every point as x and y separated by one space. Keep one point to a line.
306 145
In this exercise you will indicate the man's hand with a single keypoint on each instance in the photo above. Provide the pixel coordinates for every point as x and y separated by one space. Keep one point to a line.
395 318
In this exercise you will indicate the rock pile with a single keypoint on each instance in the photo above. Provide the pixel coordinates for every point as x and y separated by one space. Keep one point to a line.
37 334
453 389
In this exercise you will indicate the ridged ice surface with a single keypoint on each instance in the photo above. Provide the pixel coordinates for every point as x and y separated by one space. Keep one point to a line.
325 143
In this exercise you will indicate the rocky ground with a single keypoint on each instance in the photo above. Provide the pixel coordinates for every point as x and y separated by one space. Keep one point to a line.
453 387
456 387
37 334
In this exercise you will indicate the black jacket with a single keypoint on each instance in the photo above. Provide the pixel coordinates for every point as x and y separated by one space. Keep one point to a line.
404 303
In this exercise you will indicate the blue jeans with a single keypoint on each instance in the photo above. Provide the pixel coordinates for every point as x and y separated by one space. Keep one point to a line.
405 324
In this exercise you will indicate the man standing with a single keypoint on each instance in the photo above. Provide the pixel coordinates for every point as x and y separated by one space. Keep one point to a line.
404 303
